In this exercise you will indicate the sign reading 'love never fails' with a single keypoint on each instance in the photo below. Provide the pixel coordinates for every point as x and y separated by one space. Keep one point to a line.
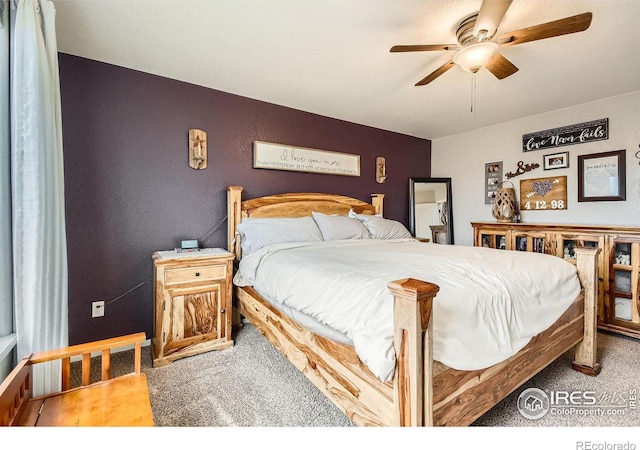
596 130
543 194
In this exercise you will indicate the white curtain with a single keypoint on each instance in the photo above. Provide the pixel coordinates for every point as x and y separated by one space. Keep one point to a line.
37 187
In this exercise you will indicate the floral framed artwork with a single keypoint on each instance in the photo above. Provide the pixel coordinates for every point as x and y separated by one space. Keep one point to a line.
556 161
602 177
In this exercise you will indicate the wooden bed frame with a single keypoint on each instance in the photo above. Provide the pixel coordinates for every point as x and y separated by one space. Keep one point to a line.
423 392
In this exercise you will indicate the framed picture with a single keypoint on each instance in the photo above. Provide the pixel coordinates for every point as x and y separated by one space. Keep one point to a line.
267 155
492 178
556 161
602 177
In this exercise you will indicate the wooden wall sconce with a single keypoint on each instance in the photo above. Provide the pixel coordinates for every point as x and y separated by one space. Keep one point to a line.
197 149
381 169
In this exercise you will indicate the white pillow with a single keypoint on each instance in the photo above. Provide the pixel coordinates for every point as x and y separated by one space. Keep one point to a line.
381 228
340 227
259 232
355 215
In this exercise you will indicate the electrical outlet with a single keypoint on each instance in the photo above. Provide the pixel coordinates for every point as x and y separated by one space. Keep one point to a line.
97 309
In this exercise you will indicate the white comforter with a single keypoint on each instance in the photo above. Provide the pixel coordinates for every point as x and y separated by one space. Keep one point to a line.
490 304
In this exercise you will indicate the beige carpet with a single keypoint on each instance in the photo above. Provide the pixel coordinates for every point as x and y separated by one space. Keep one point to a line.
253 385
620 376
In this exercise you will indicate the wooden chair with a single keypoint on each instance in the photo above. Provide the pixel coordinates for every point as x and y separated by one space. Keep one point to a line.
118 401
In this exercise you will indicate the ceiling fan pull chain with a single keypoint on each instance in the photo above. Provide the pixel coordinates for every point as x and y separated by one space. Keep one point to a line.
473 94
471 100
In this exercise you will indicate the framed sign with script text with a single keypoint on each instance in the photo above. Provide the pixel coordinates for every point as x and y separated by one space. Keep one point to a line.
543 194
300 159
579 133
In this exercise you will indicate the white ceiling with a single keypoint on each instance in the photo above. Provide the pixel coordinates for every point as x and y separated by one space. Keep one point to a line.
331 57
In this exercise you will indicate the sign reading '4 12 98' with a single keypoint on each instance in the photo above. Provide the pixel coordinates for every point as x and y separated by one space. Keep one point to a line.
543 194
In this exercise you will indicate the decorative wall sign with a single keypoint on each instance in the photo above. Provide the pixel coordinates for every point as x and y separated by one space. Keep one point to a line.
492 178
301 159
602 177
522 168
543 194
556 161
596 130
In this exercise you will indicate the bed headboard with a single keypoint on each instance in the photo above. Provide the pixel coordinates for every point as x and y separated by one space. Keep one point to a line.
290 205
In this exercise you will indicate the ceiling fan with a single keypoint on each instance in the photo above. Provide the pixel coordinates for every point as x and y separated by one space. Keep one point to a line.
476 49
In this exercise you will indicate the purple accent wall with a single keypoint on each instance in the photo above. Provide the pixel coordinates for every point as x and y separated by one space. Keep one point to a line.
130 191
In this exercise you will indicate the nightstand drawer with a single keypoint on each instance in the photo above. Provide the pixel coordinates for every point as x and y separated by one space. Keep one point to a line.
195 274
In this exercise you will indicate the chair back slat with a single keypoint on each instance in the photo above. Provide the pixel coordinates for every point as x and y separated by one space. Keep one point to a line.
86 369
66 374
138 358
106 365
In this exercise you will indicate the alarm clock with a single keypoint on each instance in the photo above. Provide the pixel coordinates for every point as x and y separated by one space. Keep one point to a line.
188 245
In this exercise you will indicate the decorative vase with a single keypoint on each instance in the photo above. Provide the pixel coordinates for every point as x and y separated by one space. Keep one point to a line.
505 206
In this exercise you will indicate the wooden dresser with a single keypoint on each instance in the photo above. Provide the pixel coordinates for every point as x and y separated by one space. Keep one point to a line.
192 303
618 265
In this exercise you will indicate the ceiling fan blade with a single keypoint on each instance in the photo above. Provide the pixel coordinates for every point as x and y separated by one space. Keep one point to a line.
436 73
568 25
501 67
489 17
424 48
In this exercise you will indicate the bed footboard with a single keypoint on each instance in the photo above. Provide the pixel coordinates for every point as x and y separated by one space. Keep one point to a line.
413 344
585 358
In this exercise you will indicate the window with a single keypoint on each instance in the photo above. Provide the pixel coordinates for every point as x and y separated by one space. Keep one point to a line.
7 337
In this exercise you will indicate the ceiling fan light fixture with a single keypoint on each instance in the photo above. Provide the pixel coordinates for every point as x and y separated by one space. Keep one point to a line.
475 56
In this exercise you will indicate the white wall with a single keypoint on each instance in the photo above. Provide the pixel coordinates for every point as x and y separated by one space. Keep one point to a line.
462 157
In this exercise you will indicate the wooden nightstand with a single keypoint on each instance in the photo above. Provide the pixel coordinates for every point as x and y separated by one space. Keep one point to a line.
192 303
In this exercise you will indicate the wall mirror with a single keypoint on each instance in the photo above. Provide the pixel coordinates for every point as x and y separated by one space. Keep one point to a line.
430 211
